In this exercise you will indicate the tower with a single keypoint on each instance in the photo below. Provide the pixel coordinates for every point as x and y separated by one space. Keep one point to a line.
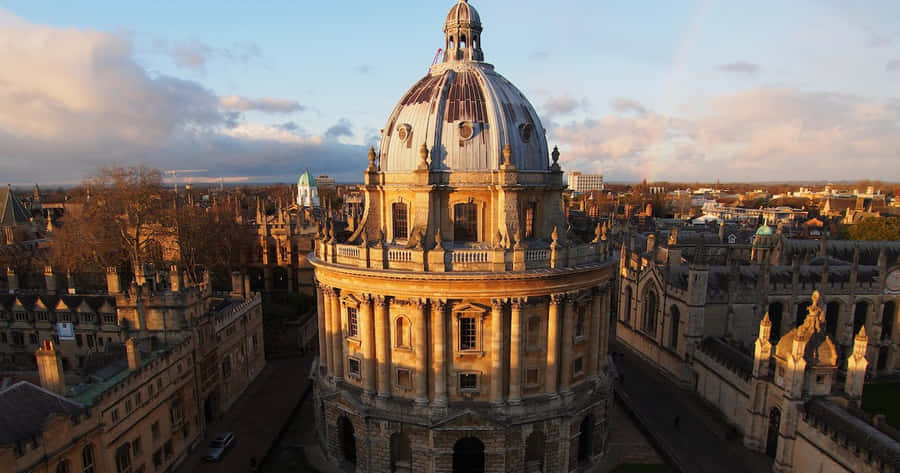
450 325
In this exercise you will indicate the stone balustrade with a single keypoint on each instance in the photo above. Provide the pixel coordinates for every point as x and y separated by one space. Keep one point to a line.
463 259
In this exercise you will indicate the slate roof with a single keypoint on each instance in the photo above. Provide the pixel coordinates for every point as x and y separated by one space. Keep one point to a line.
728 356
25 408
860 432
12 211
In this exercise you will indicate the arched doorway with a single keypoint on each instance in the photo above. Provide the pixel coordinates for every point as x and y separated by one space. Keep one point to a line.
468 456
348 440
401 454
586 440
775 312
534 453
774 426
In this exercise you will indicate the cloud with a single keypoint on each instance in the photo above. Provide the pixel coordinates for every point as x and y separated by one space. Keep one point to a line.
893 65
72 100
265 104
194 55
740 68
562 105
363 69
764 133
629 106
342 129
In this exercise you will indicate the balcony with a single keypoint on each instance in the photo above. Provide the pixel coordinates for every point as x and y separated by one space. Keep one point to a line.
453 258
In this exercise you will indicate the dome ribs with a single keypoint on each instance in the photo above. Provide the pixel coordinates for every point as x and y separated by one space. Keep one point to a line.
465 100
423 91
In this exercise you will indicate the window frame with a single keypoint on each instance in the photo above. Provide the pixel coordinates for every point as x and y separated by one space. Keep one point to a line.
459 380
351 360
466 214
400 385
400 220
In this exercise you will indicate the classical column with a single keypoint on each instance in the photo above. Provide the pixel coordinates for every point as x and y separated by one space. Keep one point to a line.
515 351
605 305
596 333
383 347
438 332
327 348
321 310
337 337
567 345
497 351
421 352
366 325
553 344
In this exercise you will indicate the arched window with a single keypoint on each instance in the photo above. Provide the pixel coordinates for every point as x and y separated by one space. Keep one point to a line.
673 332
474 42
401 332
468 456
832 312
465 222
859 316
63 467
451 42
87 459
887 320
462 42
650 308
348 440
534 452
775 310
401 453
626 316
400 218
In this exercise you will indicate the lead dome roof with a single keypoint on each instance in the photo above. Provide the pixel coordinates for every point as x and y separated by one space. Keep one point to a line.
464 112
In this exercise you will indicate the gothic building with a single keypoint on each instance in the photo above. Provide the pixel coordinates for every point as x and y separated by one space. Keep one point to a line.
461 327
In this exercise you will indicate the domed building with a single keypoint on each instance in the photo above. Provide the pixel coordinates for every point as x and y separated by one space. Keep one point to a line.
462 328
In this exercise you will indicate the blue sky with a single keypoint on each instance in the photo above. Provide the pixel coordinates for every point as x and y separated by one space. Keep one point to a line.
684 91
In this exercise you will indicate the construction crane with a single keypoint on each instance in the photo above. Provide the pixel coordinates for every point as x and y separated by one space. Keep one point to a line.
437 56
175 172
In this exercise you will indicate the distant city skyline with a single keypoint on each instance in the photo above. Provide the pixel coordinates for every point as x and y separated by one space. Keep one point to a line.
693 91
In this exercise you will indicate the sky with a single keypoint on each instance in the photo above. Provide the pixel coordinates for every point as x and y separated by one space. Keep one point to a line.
260 91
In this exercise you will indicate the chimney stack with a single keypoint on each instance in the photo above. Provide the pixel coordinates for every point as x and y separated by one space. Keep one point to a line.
133 352
50 280
50 368
12 280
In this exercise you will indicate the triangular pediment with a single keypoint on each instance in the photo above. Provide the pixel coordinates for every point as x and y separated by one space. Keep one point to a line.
350 299
471 307
466 419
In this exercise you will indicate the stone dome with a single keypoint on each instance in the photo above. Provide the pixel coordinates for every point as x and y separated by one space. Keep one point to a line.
464 112
818 348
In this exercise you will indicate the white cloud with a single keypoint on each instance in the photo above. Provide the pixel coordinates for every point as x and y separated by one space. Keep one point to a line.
72 100
758 134
740 68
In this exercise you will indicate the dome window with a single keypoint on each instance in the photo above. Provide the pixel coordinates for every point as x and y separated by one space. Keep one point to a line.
403 132
466 130
525 131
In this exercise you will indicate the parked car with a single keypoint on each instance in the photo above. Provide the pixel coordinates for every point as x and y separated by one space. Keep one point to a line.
218 447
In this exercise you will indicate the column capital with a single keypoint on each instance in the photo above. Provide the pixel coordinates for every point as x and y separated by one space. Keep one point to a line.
497 304
380 299
417 302
365 298
557 299
516 303
439 305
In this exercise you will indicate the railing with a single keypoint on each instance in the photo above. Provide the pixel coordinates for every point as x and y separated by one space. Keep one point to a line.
348 251
400 256
451 258
469 256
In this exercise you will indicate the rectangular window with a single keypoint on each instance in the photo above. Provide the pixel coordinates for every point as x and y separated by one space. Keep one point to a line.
18 338
42 316
109 319
468 382
33 339
530 211
136 447
127 406
90 341
401 231
114 415
465 222
579 322
531 376
404 378
137 399
578 366
353 366
154 430
468 336
352 322
78 340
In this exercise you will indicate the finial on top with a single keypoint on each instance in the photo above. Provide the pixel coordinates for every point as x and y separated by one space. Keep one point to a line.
371 167
555 156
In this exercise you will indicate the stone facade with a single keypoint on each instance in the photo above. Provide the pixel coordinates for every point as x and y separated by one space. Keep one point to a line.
460 330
